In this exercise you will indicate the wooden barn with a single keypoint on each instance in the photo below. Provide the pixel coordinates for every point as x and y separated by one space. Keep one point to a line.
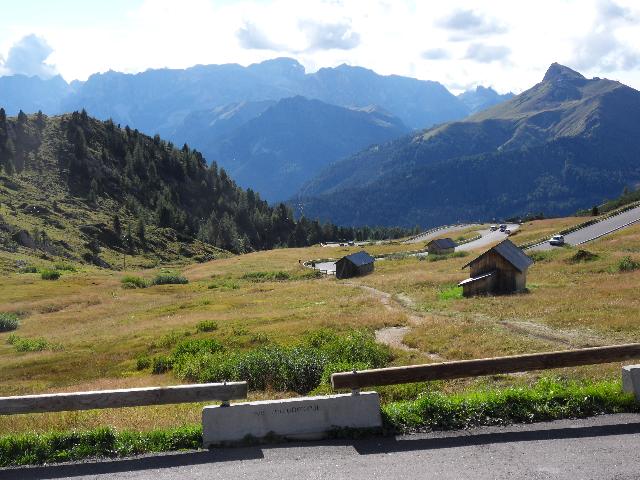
354 265
441 246
500 270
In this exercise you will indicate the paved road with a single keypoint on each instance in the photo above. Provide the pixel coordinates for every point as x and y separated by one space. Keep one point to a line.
599 229
488 238
424 237
598 448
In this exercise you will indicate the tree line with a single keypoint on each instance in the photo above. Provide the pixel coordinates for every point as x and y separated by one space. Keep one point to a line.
161 184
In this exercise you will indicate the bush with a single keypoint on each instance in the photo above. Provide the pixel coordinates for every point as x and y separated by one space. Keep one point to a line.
47 274
169 279
131 281
278 276
198 346
143 362
582 256
300 368
8 321
29 269
161 364
207 326
66 267
31 344
627 265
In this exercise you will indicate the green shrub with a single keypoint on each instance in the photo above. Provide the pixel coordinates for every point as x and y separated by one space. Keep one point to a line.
143 362
541 256
131 282
169 279
47 274
452 292
197 346
627 265
31 344
206 326
66 267
161 364
582 256
8 321
267 276
298 368
29 269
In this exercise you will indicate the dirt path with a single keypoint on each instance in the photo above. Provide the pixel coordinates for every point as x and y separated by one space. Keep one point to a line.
393 336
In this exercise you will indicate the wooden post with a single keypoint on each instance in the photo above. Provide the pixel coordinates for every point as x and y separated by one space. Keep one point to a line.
486 366
133 397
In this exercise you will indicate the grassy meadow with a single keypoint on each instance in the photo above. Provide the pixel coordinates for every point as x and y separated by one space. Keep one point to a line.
89 330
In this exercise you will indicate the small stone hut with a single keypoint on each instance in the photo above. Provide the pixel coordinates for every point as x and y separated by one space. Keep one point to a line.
354 265
500 270
441 246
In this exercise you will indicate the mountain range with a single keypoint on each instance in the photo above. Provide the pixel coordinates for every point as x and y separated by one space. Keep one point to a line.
566 143
275 147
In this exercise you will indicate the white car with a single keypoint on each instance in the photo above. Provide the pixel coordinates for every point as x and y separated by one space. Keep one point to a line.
493 228
556 240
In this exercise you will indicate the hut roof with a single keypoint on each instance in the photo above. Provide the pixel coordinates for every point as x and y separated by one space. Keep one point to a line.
512 254
360 258
443 243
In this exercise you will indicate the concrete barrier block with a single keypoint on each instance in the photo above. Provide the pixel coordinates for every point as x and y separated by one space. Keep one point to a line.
631 380
303 418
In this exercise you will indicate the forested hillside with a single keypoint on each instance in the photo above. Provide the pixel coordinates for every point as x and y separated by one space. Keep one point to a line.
75 186
565 144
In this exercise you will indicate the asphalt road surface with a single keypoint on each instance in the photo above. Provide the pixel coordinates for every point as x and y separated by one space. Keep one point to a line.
488 238
600 448
602 228
424 237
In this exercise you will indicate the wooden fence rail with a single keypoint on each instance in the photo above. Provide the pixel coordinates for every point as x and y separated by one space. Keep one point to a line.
485 366
133 397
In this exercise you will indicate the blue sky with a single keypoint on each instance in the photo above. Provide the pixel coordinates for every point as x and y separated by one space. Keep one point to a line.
502 43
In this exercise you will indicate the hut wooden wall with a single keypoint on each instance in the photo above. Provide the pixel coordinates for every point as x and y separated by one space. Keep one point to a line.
508 278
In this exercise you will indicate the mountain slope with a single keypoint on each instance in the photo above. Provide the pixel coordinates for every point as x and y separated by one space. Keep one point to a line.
566 143
65 179
30 94
292 140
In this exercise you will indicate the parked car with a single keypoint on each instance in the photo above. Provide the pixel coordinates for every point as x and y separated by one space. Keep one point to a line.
493 228
557 240
503 227
507 231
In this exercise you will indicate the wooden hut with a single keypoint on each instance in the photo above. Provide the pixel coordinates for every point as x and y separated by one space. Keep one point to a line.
441 246
354 265
500 270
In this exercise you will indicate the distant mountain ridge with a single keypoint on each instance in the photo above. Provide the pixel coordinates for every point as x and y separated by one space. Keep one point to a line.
289 141
566 143
482 98
156 101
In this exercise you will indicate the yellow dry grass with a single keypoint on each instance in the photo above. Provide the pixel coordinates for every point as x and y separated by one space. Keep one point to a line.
103 327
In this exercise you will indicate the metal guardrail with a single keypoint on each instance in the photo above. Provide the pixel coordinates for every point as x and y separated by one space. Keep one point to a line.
133 397
486 366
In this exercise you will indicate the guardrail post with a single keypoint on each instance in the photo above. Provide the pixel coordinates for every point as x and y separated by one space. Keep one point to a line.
355 391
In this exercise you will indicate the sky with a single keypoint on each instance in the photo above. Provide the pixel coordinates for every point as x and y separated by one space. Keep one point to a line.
504 44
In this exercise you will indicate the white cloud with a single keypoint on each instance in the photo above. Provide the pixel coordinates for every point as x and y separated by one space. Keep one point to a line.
28 56
487 53
601 47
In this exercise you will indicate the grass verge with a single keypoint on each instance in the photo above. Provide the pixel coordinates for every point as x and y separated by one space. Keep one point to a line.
548 399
